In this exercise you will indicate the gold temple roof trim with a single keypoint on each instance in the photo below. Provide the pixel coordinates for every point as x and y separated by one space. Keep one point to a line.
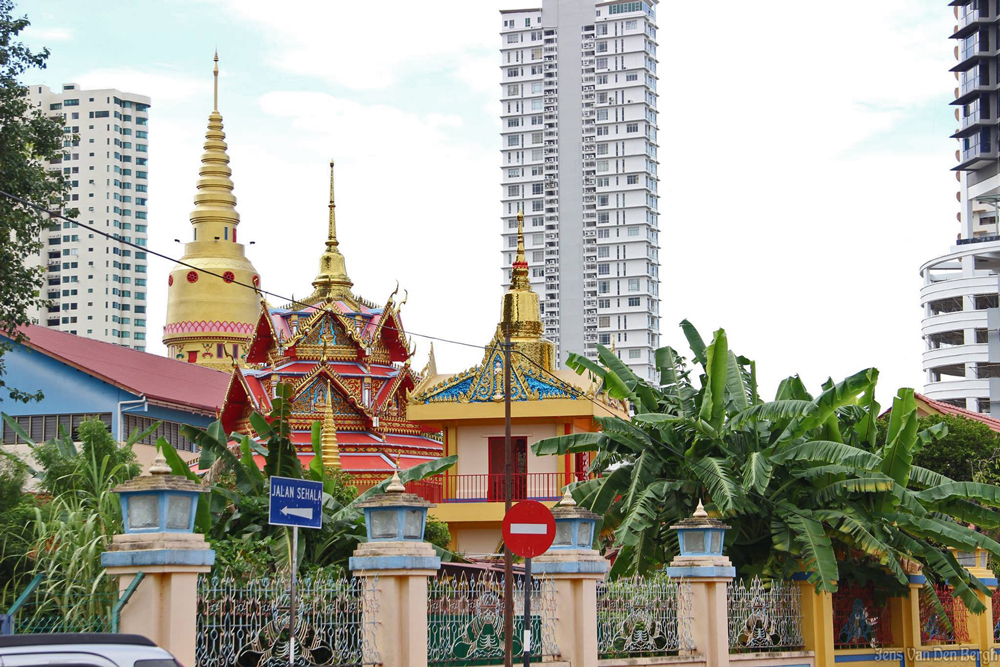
328 441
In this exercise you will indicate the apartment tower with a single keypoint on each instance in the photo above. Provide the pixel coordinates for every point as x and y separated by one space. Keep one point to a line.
96 286
579 157
959 297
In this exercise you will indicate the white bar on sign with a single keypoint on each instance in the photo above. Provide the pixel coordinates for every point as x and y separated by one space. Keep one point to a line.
528 529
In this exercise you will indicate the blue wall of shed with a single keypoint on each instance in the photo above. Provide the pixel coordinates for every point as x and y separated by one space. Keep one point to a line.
70 391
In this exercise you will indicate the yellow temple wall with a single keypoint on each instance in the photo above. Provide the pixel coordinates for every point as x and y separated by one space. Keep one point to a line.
474 450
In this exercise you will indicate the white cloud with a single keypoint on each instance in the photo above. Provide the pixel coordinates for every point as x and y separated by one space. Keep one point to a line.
348 44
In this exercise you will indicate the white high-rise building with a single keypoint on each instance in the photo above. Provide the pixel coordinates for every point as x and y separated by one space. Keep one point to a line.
579 153
97 286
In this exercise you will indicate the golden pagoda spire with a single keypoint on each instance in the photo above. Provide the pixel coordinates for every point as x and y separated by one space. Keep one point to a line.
328 441
520 315
215 204
210 320
519 270
332 283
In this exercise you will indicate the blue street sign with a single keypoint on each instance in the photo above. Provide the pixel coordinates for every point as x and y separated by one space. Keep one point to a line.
296 502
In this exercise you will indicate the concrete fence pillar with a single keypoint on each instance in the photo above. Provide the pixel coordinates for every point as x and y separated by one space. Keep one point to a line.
702 564
158 513
396 607
575 574
164 607
980 625
817 620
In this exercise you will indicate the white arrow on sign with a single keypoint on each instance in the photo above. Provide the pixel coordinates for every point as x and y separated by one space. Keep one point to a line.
304 512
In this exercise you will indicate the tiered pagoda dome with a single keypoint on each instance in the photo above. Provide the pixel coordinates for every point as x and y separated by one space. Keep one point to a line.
210 310
348 361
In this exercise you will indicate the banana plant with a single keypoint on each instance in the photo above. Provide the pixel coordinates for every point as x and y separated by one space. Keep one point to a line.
799 478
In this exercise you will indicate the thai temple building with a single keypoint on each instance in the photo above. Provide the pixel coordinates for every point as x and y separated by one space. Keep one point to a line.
210 319
348 362
468 408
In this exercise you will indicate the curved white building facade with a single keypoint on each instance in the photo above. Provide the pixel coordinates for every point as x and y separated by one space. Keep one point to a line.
959 288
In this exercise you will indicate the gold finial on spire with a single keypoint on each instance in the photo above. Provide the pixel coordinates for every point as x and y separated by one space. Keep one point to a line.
331 235
215 70
520 314
332 283
328 442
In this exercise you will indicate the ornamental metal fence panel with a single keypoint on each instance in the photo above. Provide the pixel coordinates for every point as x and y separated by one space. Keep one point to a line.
935 628
862 617
245 623
764 617
465 619
643 616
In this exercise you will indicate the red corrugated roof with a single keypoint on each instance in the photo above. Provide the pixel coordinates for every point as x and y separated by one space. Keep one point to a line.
948 409
160 379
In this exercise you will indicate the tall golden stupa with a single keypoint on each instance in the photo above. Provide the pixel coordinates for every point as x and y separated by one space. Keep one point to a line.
210 319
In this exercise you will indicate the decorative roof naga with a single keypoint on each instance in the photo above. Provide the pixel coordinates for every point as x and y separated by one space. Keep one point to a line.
348 362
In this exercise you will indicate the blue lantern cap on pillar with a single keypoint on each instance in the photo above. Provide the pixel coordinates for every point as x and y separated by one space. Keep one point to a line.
395 515
701 535
574 525
159 502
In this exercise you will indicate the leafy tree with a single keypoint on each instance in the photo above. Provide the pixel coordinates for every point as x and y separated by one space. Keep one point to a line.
29 139
969 452
234 518
799 478
437 533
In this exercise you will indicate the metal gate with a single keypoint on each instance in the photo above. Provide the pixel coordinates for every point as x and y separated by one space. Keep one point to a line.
55 605
245 623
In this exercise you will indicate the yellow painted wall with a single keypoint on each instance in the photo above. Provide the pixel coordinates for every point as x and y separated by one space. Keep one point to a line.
476 542
474 450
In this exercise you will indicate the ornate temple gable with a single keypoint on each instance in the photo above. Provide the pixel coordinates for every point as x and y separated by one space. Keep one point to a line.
390 401
484 383
264 339
390 334
329 326
239 402
309 401
318 377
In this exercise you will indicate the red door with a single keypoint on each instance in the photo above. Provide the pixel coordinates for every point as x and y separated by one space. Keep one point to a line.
495 481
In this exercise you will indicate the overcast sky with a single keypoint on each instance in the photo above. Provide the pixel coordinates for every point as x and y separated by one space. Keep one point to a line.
804 158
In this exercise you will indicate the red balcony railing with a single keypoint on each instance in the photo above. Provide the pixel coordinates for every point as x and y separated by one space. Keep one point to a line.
490 488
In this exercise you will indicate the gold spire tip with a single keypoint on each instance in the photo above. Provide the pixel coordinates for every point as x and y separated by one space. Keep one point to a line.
215 71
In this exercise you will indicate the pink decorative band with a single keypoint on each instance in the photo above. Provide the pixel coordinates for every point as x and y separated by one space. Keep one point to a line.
194 327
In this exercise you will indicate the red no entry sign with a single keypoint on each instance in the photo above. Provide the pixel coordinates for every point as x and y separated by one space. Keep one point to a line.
528 529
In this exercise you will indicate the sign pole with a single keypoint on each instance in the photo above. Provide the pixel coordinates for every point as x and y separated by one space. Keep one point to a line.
291 597
527 612
508 563
294 503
